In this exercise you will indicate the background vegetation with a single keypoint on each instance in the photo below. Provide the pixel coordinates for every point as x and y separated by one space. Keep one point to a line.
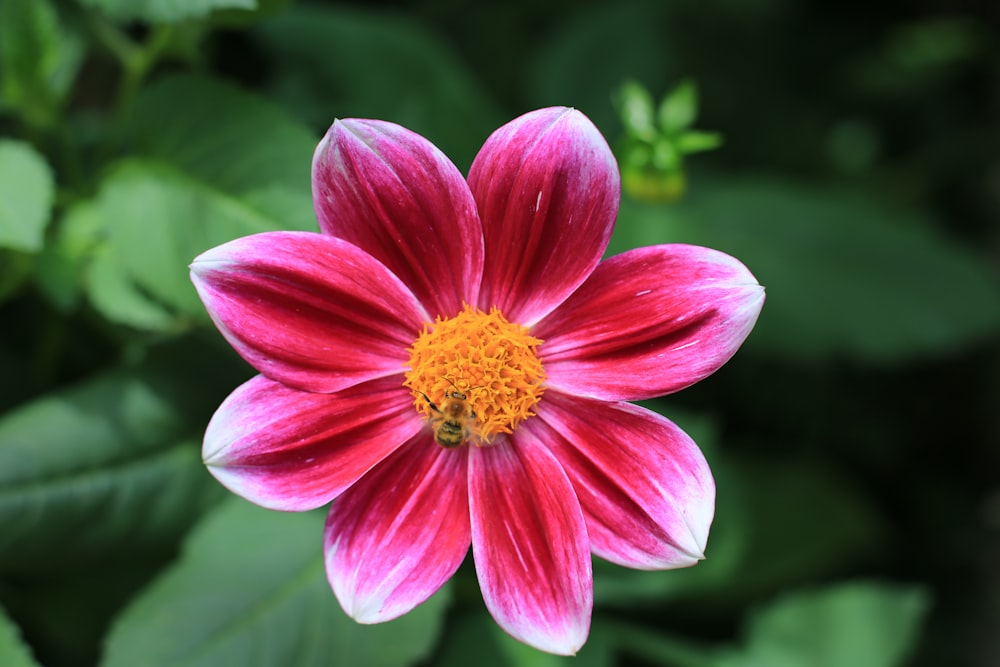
854 437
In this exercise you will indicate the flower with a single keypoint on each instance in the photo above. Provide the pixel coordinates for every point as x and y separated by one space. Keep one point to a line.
449 360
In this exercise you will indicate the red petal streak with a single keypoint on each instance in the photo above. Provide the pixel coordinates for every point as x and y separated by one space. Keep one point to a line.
397 535
530 545
645 488
308 310
649 322
293 450
394 194
548 188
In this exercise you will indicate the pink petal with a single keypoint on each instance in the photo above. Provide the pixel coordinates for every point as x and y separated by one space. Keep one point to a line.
308 310
399 534
530 545
394 194
548 188
649 322
646 490
294 450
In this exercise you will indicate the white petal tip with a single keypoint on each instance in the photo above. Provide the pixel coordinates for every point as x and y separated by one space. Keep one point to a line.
568 646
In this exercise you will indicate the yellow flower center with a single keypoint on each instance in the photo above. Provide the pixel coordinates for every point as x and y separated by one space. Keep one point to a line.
474 375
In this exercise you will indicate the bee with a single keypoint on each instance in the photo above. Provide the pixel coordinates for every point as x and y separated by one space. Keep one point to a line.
453 422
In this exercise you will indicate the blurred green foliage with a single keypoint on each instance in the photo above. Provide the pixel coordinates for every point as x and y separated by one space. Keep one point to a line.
657 137
854 438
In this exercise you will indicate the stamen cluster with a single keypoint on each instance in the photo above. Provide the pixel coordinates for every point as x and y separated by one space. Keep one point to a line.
493 363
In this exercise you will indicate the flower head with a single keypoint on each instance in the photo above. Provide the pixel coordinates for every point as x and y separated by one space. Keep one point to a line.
448 362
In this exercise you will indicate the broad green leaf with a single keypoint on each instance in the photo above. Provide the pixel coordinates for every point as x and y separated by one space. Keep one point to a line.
845 273
78 236
223 165
13 651
165 11
39 58
118 454
335 62
222 136
861 624
159 220
26 194
471 632
115 294
79 257
250 588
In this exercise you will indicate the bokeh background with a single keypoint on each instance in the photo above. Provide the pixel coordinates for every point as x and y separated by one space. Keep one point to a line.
854 438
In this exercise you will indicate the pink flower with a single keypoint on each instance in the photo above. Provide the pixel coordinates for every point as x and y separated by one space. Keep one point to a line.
448 362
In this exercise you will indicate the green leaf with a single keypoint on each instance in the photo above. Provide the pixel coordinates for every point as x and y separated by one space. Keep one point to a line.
78 235
159 220
679 108
635 105
26 194
862 624
338 62
80 257
114 294
222 136
472 632
39 58
846 274
695 141
223 165
13 651
250 588
118 454
165 11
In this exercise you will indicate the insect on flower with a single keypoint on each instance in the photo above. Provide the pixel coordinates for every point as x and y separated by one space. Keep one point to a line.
454 421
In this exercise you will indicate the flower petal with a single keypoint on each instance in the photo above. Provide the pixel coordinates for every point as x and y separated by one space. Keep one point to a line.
308 310
649 322
294 450
399 534
394 194
530 545
547 187
645 488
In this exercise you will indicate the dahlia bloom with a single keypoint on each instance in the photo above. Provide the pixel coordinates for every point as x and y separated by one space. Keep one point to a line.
449 360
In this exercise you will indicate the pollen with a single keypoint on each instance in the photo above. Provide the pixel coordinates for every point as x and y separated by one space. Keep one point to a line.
481 360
